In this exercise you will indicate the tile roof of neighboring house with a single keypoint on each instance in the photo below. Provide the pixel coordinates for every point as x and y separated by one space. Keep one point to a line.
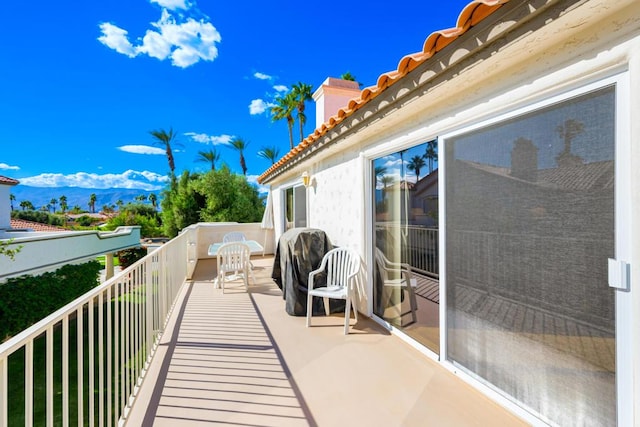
588 176
35 226
8 181
472 14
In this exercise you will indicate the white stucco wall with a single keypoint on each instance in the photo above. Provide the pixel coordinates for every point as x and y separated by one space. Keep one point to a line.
5 206
335 202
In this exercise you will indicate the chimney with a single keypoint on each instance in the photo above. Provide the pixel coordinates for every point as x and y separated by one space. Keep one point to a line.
5 202
332 95
524 160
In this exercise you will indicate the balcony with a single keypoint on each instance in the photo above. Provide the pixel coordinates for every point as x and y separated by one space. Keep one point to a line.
161 350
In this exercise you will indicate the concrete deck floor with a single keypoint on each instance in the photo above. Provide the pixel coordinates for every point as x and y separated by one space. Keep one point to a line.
238 359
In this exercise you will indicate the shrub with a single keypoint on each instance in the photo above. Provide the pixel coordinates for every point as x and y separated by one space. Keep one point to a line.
130 256
27 299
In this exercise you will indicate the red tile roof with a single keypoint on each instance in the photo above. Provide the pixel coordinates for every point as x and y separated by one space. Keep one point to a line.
8 181
35 226
472 14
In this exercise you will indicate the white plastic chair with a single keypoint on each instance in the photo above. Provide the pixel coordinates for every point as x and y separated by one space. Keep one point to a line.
398 275
233 258
234 236
341 266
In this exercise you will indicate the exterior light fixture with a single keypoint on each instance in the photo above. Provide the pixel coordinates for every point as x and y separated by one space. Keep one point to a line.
306 179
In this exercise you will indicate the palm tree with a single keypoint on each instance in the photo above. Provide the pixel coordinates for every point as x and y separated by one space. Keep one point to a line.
386 180
350 77
92 202
379 172
27 205
141 198
12 198
302 93
211 157
239 145
269 153
431 153
63 203
164 139
53 203
154 200
415 164
284 110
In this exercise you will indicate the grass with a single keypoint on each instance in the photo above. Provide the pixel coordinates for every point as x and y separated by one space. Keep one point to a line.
101 260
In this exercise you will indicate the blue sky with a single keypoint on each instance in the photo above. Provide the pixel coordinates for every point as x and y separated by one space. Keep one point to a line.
83 83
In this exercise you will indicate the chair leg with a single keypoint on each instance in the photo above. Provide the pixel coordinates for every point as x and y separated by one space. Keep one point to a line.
413 303
309 313
327 307
347 315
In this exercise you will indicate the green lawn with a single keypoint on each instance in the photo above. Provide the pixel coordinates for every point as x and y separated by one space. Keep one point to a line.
101 260
16 374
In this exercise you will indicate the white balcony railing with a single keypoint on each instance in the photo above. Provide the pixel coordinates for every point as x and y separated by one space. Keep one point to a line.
419 246
82 365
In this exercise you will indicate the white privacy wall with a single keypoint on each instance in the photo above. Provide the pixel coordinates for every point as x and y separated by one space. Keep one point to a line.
336 200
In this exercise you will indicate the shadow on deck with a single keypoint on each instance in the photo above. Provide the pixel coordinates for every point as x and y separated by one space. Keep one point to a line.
238 359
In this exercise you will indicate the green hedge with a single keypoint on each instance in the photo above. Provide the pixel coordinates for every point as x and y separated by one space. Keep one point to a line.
27 299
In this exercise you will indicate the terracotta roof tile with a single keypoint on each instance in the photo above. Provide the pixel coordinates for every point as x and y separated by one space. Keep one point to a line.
472 14
35 226
8 181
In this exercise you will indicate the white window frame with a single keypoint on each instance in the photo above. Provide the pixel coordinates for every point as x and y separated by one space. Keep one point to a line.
295 188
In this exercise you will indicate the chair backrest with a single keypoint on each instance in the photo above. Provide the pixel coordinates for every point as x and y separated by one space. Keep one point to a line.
387 268
342 265
234 236
381 262
233 256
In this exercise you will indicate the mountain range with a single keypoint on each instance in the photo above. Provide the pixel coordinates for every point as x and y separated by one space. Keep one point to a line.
76 196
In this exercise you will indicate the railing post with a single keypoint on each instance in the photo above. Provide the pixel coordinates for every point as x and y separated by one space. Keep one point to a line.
4 417
49 376
28 384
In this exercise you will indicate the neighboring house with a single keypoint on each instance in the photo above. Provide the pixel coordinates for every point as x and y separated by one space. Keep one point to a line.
533 104
46 248
24 225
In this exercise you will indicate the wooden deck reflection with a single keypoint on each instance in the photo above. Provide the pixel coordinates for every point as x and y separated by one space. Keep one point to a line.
238 359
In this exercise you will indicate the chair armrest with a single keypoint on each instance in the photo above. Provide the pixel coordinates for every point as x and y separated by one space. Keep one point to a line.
320 269
311 276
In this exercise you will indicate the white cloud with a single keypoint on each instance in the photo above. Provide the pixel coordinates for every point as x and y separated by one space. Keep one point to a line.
259 106
183 39
172 4
203 138
253 179
144 180
154 45
281 88
116 39
141 149
261 76
5 166
392 162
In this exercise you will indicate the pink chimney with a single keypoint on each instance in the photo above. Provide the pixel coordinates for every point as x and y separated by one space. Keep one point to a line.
332 95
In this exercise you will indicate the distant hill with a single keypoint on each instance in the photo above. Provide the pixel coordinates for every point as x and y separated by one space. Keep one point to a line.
41 196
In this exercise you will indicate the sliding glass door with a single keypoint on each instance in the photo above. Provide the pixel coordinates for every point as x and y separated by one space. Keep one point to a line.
530 224
406 289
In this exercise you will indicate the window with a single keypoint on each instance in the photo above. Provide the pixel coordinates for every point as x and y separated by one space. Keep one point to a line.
296 207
